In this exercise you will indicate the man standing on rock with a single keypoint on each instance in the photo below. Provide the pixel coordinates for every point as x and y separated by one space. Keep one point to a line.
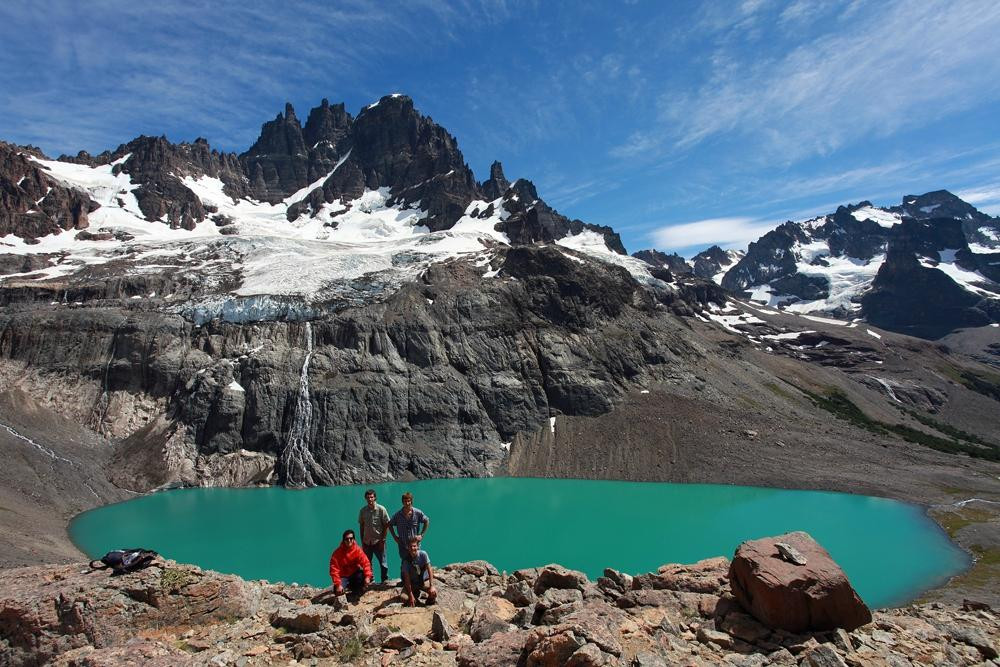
374 522
417 573
349 567
406 523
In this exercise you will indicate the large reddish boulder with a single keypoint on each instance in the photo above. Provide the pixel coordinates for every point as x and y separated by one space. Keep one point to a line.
781 593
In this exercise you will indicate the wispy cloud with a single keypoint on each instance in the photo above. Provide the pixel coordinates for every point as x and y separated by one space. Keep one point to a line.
904 65
90 75
981 195
726 232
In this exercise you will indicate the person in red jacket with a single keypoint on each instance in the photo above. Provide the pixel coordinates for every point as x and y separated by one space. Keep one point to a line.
349 567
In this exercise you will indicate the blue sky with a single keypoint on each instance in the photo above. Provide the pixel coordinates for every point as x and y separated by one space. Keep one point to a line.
677 123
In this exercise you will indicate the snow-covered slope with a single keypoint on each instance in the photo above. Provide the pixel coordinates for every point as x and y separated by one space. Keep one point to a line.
355 250
863 261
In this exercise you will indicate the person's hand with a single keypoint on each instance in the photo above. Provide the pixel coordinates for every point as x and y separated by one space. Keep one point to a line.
338 590
420 538
411 601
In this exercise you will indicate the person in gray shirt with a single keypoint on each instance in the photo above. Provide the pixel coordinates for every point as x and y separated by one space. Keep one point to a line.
374 522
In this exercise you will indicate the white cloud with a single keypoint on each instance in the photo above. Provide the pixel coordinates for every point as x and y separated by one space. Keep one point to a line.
637 144
982 194
726 232
904 65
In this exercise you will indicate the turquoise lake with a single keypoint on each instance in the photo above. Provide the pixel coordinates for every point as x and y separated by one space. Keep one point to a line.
890 550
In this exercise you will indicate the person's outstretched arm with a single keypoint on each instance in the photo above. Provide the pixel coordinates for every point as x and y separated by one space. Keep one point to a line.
335 575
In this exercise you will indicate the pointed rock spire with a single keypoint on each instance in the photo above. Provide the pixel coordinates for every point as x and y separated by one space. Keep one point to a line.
497 184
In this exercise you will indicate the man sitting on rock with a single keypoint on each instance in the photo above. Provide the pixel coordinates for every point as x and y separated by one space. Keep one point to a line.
417 574
349 567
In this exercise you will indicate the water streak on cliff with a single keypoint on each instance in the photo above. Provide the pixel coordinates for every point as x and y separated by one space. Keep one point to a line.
298 466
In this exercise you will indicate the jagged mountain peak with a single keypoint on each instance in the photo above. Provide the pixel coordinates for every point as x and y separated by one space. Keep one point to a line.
710 264
383 194
497 184
883 264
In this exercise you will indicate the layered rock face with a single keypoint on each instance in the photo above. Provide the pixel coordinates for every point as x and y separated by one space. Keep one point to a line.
172 614
427 384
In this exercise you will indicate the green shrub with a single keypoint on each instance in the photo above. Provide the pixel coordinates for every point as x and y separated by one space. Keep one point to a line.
352 650
838 404
173 579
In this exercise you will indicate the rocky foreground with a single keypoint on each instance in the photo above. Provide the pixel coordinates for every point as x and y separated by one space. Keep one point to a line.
175 614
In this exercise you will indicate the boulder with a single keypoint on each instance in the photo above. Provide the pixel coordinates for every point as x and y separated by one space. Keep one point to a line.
556 576
554 649
824 655
797 598
441 630
502 649
519 593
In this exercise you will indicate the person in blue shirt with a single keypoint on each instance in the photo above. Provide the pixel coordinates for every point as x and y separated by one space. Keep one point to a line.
406 523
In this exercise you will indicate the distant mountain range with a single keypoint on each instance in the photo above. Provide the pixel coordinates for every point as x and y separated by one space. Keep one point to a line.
925 268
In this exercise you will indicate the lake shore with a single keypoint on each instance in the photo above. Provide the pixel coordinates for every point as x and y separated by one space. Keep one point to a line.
176 614
39 495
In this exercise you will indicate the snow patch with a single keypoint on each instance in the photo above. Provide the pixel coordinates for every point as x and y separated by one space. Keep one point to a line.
824 320
877 215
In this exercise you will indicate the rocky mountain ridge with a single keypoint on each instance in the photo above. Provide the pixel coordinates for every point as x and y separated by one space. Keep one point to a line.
710 264
360 309
926 267
334 158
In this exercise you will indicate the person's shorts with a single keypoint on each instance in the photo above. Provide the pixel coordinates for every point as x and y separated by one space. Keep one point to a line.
421 584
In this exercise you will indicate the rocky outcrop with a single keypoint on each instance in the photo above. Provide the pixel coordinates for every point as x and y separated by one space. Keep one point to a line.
672 262
714 261
916 297
32 203
768 258
791 582
497 184
684 614
532 220
158 167
977 226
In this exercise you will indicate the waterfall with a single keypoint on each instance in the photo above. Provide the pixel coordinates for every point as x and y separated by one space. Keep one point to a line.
100 411
302 420
297 461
